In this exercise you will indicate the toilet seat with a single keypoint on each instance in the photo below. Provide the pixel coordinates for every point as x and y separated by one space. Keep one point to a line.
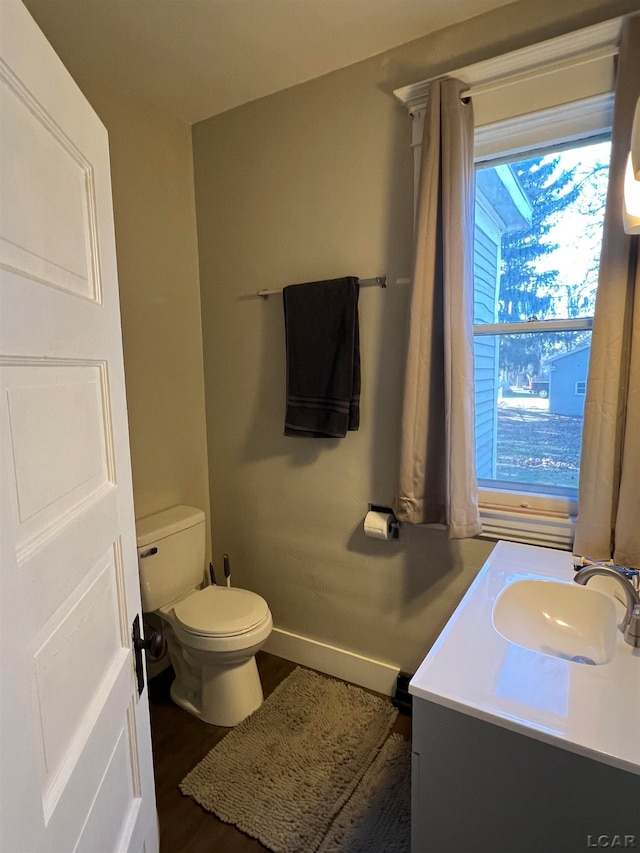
218 611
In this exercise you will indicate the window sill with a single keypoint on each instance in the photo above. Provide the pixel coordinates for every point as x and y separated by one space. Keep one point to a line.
551 531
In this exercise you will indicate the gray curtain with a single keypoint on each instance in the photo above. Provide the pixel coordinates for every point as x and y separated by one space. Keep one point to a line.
437 477
609 494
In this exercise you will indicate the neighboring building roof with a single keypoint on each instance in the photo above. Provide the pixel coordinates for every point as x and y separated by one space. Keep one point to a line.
565 354
504 193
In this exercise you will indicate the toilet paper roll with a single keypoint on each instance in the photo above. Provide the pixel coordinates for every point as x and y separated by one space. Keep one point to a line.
377 525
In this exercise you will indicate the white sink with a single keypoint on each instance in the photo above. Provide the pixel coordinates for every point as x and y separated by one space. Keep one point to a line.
562 619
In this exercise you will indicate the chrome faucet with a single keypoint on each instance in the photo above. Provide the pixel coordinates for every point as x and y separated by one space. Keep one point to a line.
630 625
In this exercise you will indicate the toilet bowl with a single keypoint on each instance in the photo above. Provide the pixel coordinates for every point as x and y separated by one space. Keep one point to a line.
216 676
213 633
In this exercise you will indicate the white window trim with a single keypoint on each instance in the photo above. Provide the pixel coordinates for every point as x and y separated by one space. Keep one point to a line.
543 529
570 49
577 324
590 54
570 123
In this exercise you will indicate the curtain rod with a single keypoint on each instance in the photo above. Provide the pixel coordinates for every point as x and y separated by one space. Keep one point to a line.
380 281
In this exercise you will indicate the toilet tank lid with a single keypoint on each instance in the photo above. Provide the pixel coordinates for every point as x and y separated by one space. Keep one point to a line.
165 523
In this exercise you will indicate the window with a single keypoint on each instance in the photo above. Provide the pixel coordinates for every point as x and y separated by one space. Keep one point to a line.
538 233
543 116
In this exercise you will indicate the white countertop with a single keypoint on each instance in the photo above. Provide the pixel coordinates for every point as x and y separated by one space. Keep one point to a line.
591 710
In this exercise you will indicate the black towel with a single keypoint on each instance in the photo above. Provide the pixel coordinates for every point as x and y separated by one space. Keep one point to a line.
323 358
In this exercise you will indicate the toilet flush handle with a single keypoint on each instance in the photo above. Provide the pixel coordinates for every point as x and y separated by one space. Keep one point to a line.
148 553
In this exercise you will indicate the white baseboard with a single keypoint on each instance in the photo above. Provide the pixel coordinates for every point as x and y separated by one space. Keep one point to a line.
351 667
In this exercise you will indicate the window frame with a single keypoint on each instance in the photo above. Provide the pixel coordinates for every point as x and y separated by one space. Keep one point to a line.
535 517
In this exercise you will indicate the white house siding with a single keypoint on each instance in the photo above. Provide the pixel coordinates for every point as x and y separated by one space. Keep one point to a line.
486 271
501 206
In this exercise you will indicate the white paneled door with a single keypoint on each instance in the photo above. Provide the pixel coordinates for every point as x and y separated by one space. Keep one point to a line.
76 768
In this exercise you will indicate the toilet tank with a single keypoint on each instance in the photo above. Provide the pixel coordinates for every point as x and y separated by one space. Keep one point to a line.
170 554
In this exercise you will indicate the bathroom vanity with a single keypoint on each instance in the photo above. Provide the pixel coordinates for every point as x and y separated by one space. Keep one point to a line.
527 740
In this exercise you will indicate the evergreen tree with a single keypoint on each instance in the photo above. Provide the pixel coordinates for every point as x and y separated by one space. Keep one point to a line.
525 292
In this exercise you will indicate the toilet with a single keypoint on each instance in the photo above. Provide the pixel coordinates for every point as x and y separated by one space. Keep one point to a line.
213 633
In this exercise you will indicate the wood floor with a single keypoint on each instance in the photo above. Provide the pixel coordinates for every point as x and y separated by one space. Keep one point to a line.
179 742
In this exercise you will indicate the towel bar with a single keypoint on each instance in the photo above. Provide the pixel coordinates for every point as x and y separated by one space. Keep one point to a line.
380 281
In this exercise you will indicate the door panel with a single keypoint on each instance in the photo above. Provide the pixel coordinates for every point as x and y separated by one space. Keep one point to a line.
61 451
76 750
76 659
37 240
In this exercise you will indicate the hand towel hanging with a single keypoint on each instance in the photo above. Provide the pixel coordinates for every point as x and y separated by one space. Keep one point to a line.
323 358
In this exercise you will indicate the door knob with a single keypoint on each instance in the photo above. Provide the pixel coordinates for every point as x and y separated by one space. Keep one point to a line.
155 644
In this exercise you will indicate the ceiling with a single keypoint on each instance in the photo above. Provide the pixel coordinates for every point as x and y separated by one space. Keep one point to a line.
197 58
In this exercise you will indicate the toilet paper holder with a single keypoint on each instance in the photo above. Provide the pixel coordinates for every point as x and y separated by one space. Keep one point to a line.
394 526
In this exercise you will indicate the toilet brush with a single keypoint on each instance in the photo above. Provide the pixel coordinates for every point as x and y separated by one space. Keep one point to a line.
227 568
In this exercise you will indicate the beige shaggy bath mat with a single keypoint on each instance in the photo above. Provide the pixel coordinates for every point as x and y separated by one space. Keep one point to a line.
377 817
283 774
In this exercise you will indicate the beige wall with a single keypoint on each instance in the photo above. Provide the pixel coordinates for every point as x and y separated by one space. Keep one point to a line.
154 210
316 182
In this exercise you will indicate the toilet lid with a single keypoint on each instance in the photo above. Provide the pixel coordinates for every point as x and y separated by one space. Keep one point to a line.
221 611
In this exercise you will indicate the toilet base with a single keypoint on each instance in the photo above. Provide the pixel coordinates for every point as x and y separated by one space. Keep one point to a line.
228 694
